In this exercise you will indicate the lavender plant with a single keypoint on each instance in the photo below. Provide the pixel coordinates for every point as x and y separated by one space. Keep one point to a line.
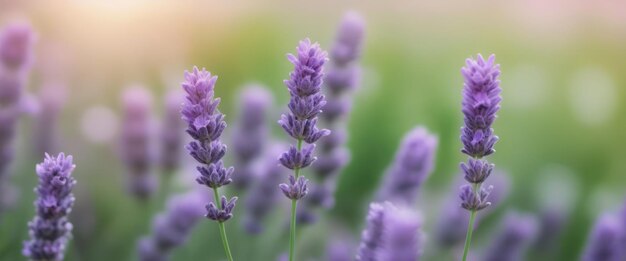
372 236
135 142
263 194
205 124
171 138
481 101
16 44
171 228
515 235
341 80
413 163
50 104
304 85
604 242
251 133
50 230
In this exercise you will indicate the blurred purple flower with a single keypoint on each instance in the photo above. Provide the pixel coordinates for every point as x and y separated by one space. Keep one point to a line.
604 243
413 163
171 228
16 44
263 194
481 101
340 249
135 141
372 235
552 221
250 134
402 236
51 100
349 39
50 229
205 124
171 127
516 233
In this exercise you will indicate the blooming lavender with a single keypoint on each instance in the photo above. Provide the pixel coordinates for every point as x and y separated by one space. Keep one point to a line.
340 81
171 138
250 133
205 124
604 243
50 230
304 85
515 234
51 101
136 152
263 194
481 101
16 42
413 163
372 236
403 239
171 228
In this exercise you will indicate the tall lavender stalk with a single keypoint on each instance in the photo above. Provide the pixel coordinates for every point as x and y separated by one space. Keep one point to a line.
171 228
50 230
135 141
481 101
304 85
514 236
263 194
413 163
604 242
16 41
171 136
51 101
371 237
250 133
205 124
341 80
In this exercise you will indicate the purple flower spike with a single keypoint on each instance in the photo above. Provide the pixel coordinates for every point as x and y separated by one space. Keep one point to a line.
372 236
135 141
413 164
171 138
171 228
296 189
251 133
50 230
481 101
512 240
604 242
349 39
403 239
222 213
205 124
16 43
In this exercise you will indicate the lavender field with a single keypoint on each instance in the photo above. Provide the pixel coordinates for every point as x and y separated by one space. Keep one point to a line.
282 130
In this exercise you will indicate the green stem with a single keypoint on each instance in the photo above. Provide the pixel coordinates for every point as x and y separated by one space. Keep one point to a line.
222 227
294 205
470 228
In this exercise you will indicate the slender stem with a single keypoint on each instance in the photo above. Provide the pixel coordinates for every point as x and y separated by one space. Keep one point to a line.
470 227
222 227
294 205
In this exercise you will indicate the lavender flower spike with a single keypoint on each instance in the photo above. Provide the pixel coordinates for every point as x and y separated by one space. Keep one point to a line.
171 228
205 124
16 43
481 101
515 235
304 85
135 141
403 237
604 242
251 133
50 229
171 128
414 162
372 236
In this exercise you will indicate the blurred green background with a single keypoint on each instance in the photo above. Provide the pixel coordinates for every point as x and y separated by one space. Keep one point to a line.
562 79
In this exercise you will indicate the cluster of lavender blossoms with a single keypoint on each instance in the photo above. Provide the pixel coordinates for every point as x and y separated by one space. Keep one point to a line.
251 133
16 44
50 229
135 151
205 124
481 101
304 85
341 80
413 163
171 228
171 138
391 233
605 242
515 235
